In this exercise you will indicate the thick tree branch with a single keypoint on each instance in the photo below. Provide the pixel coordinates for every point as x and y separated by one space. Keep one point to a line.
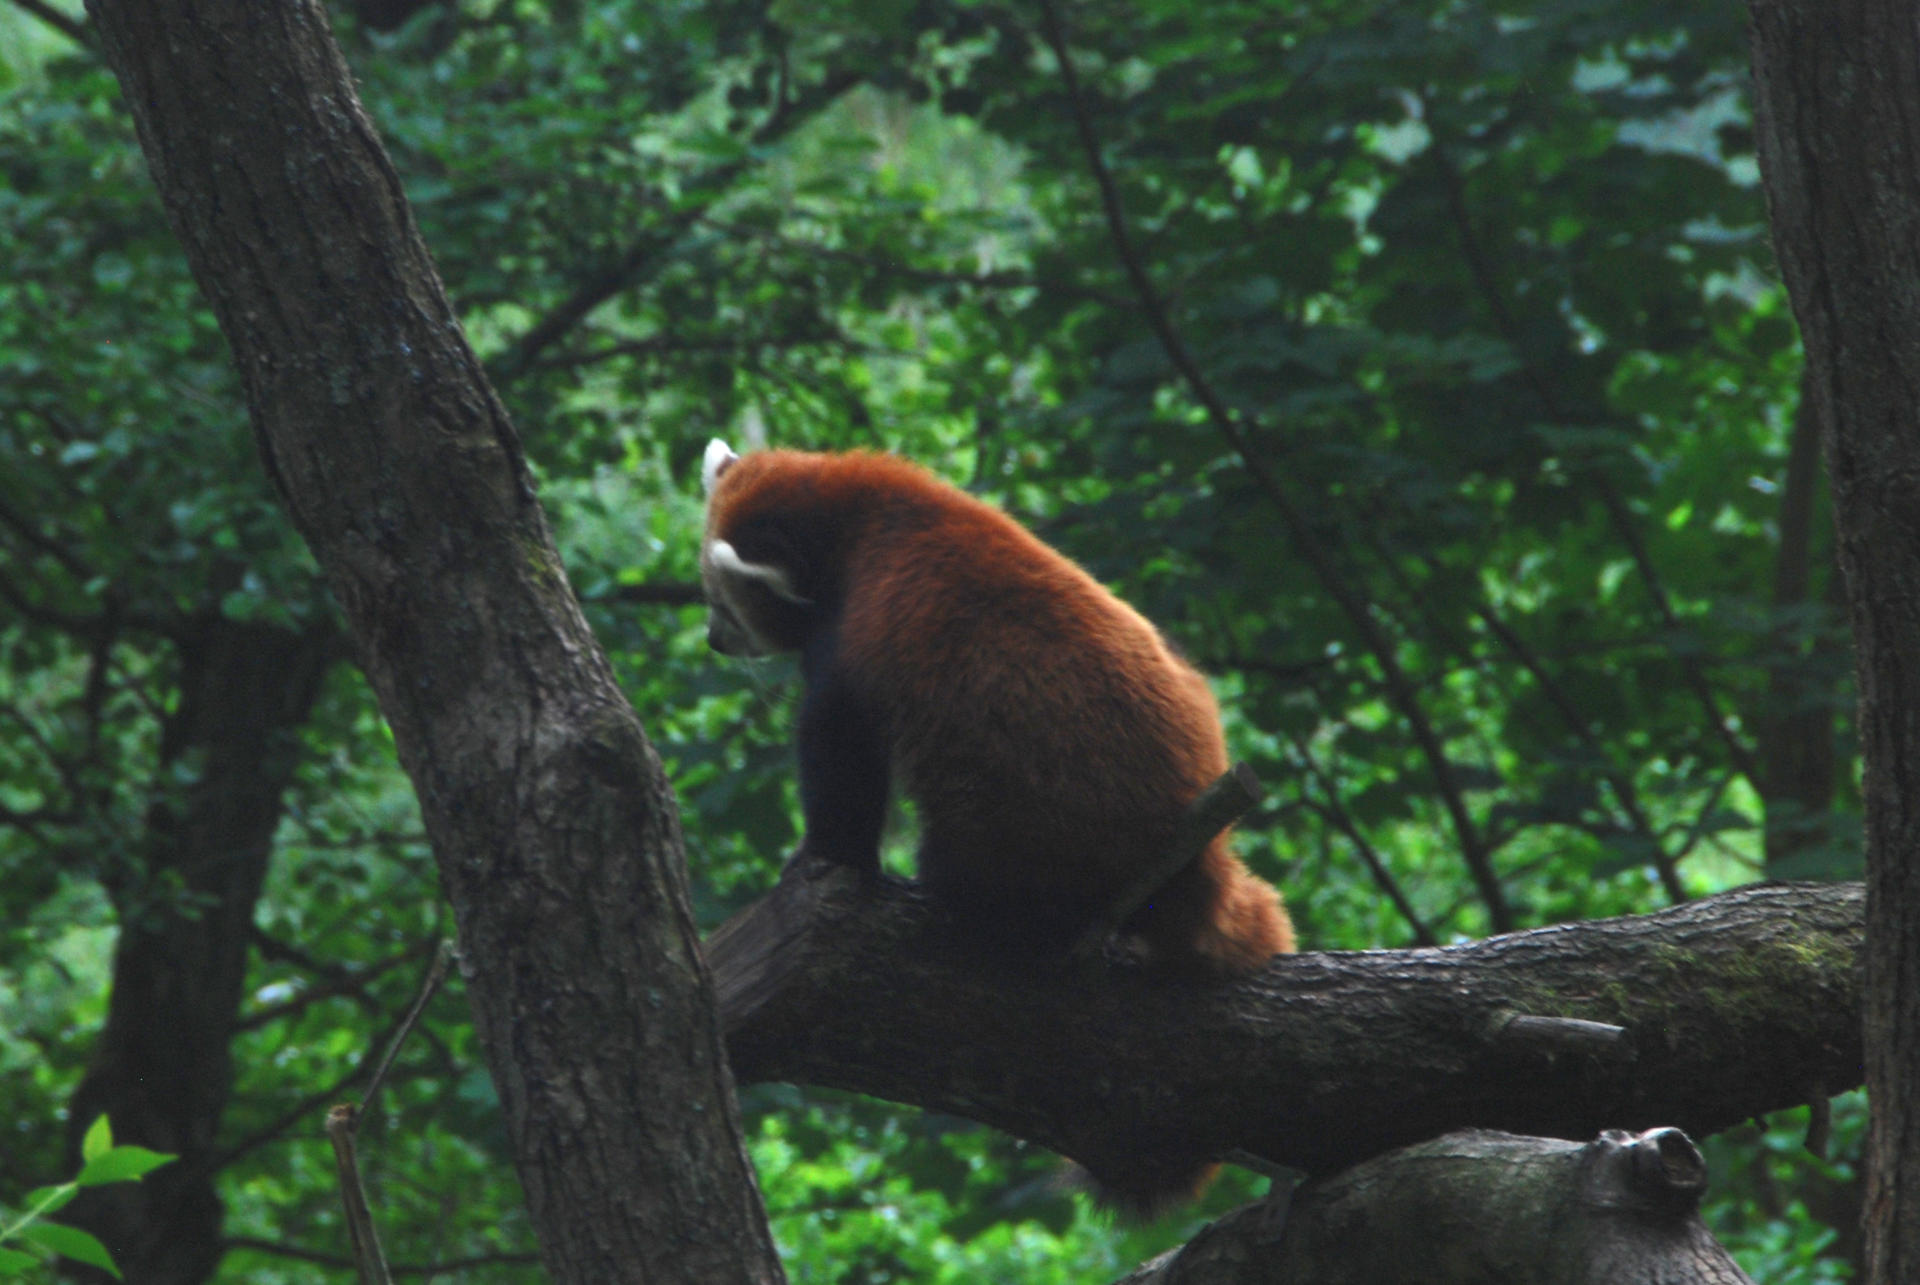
1731 1006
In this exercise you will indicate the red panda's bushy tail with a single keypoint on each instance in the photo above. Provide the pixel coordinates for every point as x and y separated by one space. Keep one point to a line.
1146 1187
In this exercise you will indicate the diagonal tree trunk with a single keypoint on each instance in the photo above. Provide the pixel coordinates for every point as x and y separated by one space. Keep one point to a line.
1837 117
552 823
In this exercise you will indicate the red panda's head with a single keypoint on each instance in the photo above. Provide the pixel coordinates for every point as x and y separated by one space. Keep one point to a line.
755 606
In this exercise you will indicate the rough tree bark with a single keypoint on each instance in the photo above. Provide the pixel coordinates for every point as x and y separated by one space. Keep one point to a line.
1837 119
1475 1208
161 1068
1728 1007
555 833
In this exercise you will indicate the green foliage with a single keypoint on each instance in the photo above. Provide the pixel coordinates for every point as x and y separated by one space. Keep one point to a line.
101 1163
1788 1213
1486 286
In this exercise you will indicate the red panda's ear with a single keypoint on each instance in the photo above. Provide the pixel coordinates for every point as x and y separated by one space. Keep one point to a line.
719 458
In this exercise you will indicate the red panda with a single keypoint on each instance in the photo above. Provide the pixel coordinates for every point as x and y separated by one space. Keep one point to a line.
1048 736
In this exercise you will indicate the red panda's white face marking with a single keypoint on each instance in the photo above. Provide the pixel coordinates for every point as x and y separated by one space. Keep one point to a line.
737 596
735 571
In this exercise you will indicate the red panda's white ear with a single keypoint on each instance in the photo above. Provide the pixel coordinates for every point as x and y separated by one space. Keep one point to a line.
719 458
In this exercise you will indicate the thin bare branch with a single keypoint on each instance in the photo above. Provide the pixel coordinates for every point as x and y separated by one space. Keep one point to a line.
657 593
348 982
436 974
1621 783
997 280
1619 516
30 532
1336 812
369 1261
634 264
73 29
1352 603
304 1108
300 1253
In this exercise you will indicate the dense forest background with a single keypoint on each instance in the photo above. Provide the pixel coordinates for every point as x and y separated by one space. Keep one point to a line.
1421 369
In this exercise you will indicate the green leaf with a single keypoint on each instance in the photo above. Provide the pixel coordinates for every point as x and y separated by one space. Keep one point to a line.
12 1260
78 1245
45 1200
99 1139
122 1164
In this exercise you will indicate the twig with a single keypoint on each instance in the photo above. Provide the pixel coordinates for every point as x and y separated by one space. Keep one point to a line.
1623 789
1563 705
299 1253
1212 810
1480 268
371 1264
78 32
1473 846
343 1122
29 531
1336 811
997 280
631 267
436 974
654 593
339 982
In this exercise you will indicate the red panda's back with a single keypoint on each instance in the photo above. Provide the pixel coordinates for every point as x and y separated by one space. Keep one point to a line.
1047 734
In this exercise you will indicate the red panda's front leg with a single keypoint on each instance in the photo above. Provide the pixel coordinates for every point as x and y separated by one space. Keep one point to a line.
843 774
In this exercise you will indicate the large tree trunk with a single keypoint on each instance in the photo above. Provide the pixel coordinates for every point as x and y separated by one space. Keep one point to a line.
1837 113
161 1069
555 833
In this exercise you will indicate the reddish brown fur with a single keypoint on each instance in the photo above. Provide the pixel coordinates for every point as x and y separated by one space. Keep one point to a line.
1048 735
1046 732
